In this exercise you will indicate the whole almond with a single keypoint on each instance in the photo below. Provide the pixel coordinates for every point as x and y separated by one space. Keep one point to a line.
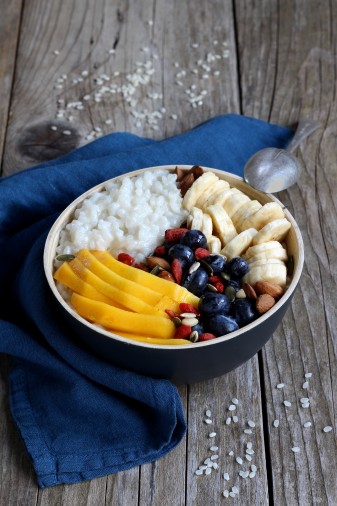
166 275
180 173
186 183
161 262
272 289
264 302
249 291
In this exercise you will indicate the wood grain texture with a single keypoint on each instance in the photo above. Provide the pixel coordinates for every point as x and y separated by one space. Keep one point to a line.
277 62
302 66
9 33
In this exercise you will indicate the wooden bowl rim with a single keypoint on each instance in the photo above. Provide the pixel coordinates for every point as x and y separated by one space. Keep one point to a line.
53 235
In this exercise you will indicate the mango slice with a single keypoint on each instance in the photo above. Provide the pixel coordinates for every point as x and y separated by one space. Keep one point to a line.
172 290
122 298
67 277
117 319
153 340
142 291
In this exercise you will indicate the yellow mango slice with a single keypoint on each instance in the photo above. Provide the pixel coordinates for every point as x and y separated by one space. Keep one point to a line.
125 299
142 291
68 277
167 303
172 290
153 340
125 321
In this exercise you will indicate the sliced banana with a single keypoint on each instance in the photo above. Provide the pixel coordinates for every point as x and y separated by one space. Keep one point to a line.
239 244
269 212
214 244
272 272
212 190
221 197
199 186
276 253
275 230
207 225
244 212
263 261
222 223
262 248
234 202
195 218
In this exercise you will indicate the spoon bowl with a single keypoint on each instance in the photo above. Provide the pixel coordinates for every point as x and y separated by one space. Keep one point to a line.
272 170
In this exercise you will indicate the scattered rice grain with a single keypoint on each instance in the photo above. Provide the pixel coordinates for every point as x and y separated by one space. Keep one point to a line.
328 428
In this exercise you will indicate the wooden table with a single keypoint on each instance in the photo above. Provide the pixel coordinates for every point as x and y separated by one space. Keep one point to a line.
268 59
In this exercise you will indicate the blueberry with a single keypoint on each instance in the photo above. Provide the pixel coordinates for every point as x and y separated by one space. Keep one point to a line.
196 282
212 303
216 262
232 282
198 328
220 325
182 253
194 239
237 268
243 311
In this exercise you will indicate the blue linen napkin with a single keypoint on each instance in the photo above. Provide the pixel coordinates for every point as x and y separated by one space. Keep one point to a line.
79 416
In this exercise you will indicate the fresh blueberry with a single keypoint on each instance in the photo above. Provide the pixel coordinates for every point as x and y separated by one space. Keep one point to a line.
243 311
182 253
232 282
198 328
213 303
220 325
194 239
237 267
216 262
196 282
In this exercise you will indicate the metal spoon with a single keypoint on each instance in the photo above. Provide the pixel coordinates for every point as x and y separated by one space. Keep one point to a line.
272 170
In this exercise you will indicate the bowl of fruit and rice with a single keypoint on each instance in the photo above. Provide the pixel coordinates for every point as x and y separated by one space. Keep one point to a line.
175 272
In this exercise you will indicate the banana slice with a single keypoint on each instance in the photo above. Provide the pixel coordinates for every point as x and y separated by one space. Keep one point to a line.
269 212
214 245
197 189
265 247
275 230
244 212
234 202
221 198
239 244
207 225
263 261
276 253
272 272
195 218
212 190
222 223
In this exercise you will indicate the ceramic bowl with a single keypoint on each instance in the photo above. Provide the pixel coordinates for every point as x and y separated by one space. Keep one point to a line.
180 364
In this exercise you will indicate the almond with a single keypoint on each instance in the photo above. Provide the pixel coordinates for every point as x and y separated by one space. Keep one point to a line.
161 262
186 183
249 291
264 302
180 173
166 275
272 289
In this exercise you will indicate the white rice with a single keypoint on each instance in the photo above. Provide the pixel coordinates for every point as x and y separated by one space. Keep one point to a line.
129 216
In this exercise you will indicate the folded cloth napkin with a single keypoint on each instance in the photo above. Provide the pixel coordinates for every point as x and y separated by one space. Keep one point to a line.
79 416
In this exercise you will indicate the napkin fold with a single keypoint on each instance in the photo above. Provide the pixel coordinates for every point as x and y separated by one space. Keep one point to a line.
79 416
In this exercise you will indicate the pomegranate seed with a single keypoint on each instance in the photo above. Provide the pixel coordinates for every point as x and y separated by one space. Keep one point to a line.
183 332
125 258
172 314
187 308
206 337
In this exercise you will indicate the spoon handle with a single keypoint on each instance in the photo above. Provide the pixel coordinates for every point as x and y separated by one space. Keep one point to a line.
304 128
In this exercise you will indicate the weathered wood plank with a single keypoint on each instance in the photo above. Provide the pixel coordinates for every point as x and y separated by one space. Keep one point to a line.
302 67
9 33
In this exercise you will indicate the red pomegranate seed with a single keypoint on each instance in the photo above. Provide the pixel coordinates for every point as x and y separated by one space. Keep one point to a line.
206 337
201 253
174 234
187 308
214 279
219 286
177 270
183 332
125 258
